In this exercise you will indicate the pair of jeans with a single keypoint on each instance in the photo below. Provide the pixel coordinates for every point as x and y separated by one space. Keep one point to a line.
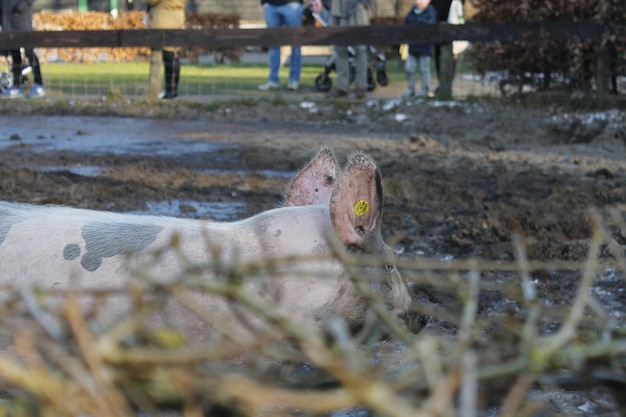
289 14
412 64
359 18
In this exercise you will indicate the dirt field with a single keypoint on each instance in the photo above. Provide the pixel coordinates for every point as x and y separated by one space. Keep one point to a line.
460 178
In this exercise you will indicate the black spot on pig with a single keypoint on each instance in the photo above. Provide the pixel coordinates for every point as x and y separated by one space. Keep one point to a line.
105 240
71 252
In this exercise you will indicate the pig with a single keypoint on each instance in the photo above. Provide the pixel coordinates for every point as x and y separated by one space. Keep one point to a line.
61 248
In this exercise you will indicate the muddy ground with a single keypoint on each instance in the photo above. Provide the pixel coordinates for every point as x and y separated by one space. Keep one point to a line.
460 178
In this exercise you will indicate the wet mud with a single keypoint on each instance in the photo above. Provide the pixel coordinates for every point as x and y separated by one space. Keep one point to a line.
460 179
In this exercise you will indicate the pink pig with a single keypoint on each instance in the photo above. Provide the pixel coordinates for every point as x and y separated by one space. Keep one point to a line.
63 248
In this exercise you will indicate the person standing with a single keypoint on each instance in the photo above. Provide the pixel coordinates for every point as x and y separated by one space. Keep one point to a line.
419 53
279 13
18 15
443 8
168 14
350 13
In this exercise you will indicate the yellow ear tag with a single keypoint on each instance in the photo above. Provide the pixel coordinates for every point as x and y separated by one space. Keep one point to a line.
361 208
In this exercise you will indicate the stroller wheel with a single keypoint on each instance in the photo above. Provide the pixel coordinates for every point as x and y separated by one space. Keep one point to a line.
6 80
323 83
381 77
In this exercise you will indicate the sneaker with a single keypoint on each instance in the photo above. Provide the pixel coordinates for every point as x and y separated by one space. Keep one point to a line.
408 94
166 95
13 92
337 93
359 93
37 91
293 85
269 85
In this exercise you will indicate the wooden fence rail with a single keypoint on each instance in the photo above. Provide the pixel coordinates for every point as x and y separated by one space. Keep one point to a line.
375 35
380 35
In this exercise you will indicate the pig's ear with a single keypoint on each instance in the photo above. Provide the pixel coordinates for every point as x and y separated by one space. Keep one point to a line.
356 202
313 185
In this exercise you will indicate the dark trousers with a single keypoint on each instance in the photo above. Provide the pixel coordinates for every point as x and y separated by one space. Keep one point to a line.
16 68
171 62
437 56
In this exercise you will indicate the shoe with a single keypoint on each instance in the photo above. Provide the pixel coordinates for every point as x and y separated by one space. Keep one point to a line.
337 93
37 91
423 94
293 85
13 92
269 85
359 93
166 95
408 94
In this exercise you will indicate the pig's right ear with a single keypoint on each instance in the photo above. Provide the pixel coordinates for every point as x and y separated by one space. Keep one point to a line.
356 204
313 186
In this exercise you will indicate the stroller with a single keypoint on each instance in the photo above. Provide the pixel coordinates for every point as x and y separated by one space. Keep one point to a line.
323 82
378 62
6 77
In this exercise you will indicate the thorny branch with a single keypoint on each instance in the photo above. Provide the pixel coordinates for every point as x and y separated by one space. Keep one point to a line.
111 370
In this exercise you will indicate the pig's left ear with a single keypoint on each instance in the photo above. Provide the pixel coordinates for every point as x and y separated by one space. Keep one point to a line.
356 202
313 185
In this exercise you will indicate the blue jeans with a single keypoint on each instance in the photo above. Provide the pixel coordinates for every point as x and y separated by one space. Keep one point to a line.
289 14
414 63
359 18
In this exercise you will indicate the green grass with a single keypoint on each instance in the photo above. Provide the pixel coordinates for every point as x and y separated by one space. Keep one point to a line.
131 78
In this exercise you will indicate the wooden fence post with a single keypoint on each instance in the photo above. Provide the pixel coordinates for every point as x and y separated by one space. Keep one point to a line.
446 72
603 71
156 68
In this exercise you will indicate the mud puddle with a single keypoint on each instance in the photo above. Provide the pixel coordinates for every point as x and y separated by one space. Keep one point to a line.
93 135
